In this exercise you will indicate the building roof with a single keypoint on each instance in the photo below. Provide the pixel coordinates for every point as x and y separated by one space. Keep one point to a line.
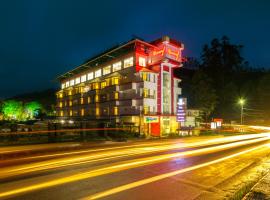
104 57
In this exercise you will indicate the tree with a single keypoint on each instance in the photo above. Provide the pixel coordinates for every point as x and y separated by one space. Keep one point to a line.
203 94
223 63
263 97
32 109
12 110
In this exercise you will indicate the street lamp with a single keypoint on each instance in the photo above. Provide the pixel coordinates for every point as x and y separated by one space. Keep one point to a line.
242 102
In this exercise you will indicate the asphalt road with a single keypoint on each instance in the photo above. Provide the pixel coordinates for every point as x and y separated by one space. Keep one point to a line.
191 168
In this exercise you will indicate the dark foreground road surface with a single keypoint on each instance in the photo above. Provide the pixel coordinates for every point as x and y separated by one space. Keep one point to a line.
191 168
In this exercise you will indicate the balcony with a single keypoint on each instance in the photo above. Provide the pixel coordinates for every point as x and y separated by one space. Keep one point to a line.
128 86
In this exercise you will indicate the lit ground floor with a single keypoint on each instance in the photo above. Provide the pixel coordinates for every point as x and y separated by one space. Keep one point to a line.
148 125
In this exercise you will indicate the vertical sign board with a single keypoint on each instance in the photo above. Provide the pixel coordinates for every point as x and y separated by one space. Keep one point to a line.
181 109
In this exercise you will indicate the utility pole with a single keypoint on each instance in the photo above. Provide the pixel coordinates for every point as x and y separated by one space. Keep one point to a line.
242 112
242 102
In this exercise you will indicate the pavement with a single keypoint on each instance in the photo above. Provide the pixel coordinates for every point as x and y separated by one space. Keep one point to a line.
190 168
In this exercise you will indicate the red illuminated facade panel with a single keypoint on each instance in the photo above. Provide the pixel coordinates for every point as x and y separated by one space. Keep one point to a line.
131 84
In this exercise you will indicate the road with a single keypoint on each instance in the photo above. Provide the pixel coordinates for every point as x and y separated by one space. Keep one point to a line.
190 168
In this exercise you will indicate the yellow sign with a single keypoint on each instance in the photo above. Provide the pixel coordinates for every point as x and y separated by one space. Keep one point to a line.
151 119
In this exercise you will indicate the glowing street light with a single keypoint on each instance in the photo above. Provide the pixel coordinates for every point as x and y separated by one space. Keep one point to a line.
242 103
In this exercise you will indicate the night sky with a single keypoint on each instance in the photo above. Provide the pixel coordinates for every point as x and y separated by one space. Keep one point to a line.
41 39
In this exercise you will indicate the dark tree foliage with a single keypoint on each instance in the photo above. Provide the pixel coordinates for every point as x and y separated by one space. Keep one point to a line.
203 94
263 97
227 78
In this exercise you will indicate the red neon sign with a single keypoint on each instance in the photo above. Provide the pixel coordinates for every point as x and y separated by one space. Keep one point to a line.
174 53
159 52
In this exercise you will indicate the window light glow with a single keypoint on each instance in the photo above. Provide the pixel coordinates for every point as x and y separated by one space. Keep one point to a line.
103 84
82 112
98 73
142 61
72 82
106 70
116 95
115 81
128 62
97 111
115 110
83 78
77 80
67 84
117 66
90 76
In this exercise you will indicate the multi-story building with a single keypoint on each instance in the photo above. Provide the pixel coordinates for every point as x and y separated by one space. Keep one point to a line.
131 84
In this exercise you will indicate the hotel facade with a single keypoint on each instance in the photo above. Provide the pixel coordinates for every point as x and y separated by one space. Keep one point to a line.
132 85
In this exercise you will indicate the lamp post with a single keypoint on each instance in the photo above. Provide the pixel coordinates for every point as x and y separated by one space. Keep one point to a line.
242 102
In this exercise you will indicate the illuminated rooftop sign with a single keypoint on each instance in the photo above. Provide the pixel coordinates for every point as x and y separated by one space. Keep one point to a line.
166 50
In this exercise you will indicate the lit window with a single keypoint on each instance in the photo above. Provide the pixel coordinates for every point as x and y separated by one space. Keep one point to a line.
117 66
83 78
115 81
144 76
67 84
70 92
115 110
61 113
103 84
106 70
81 90
89 100
70 103
142 61
70 113
63 85
98 73
107 81
145 109
96 86
97 111
60 95
90 76
77 80
81 100
82 112
72 82
128 62
86 89
97 98
145 93
116 95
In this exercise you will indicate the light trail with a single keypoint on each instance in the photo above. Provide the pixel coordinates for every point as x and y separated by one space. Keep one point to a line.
125 166
213 141
64 162
164 176
83 151
260 127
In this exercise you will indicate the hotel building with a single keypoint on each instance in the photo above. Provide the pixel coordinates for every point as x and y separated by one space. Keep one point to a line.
132 84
